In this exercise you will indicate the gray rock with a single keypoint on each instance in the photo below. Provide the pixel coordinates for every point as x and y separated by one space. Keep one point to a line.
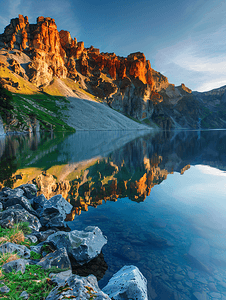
84 288
54 212
82 246
1 206
32 238
58 259
24 295
51 218
58 202
23 201
43 235
10 217
127 283
38 203
20 249
60 278
30 190
17 265
4 289
8 193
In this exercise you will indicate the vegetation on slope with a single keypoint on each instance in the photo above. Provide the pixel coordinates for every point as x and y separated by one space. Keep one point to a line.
20 111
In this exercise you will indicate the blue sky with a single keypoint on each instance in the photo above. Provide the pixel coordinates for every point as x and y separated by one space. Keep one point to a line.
184 40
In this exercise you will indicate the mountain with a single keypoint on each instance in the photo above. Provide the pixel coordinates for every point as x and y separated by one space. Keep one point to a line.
37 59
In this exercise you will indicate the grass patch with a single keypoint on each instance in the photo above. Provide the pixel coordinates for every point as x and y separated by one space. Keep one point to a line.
34 281
49 110
15 234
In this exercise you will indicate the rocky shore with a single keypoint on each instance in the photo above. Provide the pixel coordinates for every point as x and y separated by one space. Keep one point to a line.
54 245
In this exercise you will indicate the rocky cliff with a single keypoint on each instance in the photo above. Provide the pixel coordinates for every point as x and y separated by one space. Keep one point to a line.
39 53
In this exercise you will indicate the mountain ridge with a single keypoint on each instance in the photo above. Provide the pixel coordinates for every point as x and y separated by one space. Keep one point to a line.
39 54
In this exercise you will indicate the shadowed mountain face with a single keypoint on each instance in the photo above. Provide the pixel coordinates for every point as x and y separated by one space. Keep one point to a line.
91 167
36 58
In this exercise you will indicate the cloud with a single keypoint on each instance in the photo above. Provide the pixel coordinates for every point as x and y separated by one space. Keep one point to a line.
201 58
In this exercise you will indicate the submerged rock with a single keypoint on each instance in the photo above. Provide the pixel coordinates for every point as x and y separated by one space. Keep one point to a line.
82 246
127 283
77 287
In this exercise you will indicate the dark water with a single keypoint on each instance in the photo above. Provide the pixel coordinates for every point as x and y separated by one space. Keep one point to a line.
159 198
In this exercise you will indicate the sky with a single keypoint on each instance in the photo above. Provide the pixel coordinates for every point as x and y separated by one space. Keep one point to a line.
184 40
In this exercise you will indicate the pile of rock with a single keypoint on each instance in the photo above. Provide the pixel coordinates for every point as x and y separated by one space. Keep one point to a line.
68 248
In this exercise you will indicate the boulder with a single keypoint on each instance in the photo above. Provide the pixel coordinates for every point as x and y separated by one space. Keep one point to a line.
38 203
17 265
54 212
82 246
60 278
30 190
79 288
7 193
43 235
127 283
21 250
58 259
12 216
51 218
23 201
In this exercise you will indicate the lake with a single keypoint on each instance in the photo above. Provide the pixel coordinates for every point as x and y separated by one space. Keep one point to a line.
158 197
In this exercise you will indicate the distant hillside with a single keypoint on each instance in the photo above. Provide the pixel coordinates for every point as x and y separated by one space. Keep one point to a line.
46 65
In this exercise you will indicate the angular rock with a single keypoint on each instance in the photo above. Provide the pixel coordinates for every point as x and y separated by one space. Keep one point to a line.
23 201
54 211
84 288
127 283
32 238
51 218
43 235
12 216
82 246
58 259
19 249
58 202
38 203
8 193
60 278
17 265
30 190
24 295
4 289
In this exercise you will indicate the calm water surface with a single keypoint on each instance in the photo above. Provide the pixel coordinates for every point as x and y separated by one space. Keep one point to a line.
159 198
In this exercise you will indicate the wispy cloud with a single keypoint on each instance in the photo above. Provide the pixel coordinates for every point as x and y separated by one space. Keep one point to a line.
200 57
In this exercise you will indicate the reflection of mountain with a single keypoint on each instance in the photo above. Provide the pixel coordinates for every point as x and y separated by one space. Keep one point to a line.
131 170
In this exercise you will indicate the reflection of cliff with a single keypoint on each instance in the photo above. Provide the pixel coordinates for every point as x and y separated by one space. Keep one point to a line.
131 170
107 181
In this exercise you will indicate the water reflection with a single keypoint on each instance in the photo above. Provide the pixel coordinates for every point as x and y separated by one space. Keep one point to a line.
174 229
